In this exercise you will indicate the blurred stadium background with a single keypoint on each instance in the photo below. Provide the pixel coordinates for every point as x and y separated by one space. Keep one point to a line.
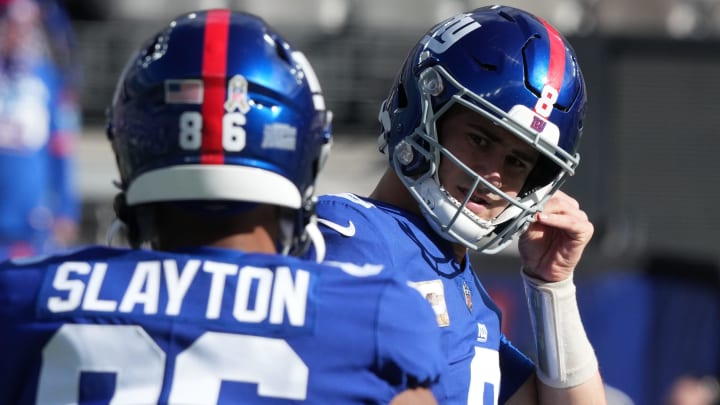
650 156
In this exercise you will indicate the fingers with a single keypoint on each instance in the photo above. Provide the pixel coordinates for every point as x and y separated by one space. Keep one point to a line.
553 244
561 201
563 212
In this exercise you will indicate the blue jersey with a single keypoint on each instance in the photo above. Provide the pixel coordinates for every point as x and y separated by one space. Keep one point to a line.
208 326
484 368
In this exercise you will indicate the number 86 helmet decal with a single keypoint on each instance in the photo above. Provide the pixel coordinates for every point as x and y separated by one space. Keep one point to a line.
514 69
218 107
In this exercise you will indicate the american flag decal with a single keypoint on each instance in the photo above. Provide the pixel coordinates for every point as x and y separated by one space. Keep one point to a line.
183 91
538 124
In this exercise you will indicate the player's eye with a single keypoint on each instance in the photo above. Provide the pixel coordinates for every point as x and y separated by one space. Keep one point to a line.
478 139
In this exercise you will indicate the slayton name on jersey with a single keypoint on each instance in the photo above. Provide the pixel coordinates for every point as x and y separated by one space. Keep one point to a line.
246 294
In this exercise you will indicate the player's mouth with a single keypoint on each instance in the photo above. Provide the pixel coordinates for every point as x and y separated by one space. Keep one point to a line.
479 201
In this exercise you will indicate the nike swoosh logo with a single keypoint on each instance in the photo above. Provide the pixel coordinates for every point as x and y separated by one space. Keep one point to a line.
347 230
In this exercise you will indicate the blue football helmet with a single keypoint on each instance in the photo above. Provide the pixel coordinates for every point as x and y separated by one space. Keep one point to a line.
511 67
218 107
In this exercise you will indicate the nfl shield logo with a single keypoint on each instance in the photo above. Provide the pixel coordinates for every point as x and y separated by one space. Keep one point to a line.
468 296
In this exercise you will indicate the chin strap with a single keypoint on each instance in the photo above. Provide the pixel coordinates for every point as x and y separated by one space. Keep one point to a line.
291 244
116 226
316 239
565 356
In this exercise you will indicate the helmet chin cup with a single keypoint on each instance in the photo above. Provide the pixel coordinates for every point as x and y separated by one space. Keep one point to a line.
448 218
455 223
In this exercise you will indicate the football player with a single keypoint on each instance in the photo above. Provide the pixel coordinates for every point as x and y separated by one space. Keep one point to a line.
219 128
481 128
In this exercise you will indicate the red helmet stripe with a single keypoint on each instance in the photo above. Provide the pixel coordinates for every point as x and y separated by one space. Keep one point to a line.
556 70
214 66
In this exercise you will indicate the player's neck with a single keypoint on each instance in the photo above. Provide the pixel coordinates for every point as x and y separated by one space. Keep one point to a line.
391 190
254 231
258 241
460 252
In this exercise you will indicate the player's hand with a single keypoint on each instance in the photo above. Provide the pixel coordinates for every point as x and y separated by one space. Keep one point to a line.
553 244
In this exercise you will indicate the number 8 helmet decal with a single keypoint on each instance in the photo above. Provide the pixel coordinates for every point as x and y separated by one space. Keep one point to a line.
219 107
511 67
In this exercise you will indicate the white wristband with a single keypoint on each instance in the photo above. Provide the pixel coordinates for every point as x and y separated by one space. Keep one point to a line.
565 356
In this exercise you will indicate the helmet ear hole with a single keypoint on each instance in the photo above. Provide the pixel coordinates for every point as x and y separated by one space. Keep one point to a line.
418 167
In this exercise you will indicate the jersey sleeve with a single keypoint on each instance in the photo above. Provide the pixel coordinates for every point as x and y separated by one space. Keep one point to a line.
408 340
351 231
515 367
